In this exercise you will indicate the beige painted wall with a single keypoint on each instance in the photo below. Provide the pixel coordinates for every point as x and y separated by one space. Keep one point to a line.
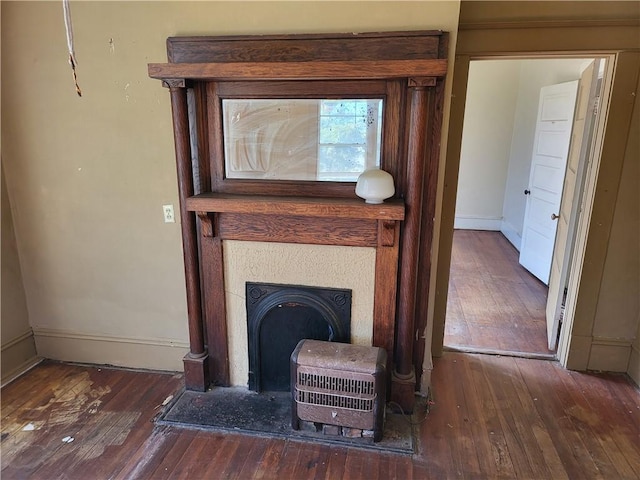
18 347
87 176
497 139
486 141
615 325
634 361
610 272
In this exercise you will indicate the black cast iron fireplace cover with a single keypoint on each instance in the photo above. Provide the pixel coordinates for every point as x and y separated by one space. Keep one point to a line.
279 316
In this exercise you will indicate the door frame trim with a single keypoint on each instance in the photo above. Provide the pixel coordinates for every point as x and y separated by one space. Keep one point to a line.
544 42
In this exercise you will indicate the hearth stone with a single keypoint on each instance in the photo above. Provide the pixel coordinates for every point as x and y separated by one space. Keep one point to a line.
238 410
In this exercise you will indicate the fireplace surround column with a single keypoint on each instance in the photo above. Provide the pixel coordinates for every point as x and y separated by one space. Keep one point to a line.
403 375
195 362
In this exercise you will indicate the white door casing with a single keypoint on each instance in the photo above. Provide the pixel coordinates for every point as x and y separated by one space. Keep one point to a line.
548 164
581 139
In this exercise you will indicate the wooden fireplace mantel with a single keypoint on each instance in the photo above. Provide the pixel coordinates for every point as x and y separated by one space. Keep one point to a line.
301 206
407 70
318 70
302 220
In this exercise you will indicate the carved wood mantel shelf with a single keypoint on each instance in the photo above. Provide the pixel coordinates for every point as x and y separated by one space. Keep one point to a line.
320 221
300 70
303 206
404 69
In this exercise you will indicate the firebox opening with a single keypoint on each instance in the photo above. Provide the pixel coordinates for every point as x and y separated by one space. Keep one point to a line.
279 316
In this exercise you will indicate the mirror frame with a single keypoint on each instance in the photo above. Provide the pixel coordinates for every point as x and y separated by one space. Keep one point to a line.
387 90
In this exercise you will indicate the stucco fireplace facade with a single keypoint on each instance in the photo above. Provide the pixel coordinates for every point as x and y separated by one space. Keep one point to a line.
350 268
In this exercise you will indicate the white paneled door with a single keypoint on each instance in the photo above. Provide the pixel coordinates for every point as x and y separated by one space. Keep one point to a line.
548 164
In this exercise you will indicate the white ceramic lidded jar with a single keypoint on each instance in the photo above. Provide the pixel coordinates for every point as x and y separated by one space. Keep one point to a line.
375 185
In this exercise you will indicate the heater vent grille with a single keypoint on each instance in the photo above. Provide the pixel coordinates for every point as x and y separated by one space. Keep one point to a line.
331 391
340 384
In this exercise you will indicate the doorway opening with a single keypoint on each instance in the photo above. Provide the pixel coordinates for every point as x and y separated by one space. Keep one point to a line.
527 138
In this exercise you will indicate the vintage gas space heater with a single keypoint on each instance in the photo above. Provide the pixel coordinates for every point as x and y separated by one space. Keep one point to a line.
339 384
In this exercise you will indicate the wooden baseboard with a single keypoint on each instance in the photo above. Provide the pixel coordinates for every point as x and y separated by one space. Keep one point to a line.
18 355
633 370
147 353
510 233
20 370
462 222
609 354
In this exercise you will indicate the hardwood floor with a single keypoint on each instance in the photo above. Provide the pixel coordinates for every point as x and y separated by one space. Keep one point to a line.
491 417
493 302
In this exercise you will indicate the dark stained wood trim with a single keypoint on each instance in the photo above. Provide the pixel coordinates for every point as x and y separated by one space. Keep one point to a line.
303 89
189 235
428 220
300 206
390 91
174 82
384 299
393 131
214 301
217 337
298 229
185 190
202 129
404 370
387 231
217 91
196 372
312 70
306 47
415 82
289 188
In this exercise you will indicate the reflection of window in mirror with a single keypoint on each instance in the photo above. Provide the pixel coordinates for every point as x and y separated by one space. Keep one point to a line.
301 139
349 141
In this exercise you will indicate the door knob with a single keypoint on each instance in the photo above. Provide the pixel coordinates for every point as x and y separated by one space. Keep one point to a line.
527 192
554 216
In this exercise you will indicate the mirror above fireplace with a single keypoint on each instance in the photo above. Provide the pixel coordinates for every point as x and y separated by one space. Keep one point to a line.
330 140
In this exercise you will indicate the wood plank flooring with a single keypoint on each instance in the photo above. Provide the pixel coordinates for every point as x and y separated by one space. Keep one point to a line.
493 302
491 417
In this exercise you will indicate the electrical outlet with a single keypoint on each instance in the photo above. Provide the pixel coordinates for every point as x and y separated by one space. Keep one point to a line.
169 217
